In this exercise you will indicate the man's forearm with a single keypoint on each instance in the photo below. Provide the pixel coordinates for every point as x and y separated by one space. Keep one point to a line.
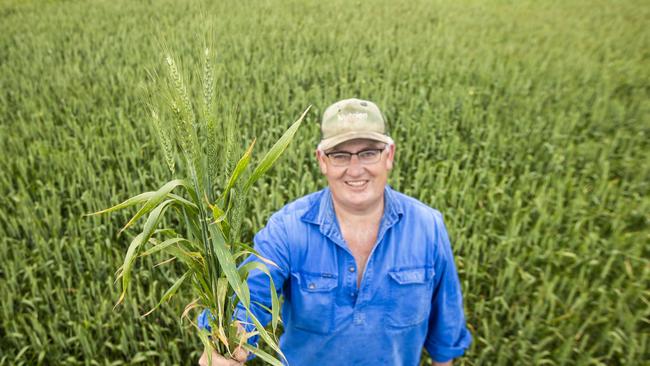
448 363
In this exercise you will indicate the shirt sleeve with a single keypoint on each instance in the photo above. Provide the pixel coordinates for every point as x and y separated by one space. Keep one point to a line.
447 336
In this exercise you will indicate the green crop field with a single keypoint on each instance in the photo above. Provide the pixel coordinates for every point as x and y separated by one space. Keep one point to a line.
526 123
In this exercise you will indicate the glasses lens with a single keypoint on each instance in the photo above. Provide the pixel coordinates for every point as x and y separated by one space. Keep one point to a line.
340 159
369 156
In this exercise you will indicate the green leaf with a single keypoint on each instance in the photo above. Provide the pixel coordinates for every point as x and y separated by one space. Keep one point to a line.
201 286
218 214
183 202
142 197
191 223
246 298
143 237
246 249
222 293
274 153
155 199
208 346
226 260
239 168
190 259
261 354
163 245
169 293
275 302
263 333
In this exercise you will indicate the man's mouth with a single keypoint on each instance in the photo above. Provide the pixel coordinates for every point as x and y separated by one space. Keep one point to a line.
356 183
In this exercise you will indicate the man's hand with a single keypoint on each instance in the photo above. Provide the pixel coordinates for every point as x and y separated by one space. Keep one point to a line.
240 356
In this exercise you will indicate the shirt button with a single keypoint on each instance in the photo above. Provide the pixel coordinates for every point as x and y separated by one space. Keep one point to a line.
311 286
351 269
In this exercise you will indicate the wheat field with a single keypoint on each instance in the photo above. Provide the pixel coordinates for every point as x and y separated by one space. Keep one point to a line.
526 123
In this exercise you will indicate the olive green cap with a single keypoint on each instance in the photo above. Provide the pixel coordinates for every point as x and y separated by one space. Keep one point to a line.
351 119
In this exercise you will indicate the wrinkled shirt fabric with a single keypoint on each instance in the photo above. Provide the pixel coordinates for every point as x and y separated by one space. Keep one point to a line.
409 296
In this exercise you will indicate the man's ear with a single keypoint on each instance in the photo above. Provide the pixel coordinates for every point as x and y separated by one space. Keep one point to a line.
321 161
391 157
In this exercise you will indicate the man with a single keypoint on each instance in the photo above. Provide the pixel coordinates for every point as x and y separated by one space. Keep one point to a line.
367 273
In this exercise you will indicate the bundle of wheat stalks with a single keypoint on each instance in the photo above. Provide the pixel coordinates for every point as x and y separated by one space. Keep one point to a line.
208 203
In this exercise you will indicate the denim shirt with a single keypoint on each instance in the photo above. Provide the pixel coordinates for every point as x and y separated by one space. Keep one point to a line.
409 296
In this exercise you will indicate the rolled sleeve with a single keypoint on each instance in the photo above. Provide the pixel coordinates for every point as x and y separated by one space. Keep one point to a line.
447 336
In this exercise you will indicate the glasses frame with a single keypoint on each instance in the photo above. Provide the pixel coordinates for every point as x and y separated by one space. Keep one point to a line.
350 154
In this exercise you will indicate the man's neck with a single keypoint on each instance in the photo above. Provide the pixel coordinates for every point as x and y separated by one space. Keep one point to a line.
354 216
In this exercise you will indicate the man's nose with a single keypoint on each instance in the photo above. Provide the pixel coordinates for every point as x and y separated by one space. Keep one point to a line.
355 166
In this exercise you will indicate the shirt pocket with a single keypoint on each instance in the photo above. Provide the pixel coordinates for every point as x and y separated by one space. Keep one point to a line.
313 300
410 296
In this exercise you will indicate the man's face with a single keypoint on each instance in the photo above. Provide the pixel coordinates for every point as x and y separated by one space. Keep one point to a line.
358 186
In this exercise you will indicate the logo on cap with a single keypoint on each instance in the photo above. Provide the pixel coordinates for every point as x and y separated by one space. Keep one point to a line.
355 116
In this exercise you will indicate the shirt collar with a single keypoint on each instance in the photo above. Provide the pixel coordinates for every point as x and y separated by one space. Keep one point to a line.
321 213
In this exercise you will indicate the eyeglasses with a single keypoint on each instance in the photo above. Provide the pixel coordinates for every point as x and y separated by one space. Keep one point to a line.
367 156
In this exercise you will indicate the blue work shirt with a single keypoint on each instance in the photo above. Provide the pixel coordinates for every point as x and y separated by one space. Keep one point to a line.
409 296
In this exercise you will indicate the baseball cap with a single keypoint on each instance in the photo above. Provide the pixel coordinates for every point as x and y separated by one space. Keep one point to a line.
351 119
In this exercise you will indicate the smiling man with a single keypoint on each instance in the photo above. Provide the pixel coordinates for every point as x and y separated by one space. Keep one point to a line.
367 273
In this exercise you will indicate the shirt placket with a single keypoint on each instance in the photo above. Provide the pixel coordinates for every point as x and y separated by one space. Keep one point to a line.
358 296
351 277
349 269
367 279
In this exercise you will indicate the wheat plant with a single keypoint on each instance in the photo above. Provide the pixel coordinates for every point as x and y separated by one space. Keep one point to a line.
207 200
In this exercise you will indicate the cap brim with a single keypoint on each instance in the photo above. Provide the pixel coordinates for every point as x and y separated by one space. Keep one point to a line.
333 141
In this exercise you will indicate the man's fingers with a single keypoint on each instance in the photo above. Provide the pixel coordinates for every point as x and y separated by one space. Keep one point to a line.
240 354
218 360
203 361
